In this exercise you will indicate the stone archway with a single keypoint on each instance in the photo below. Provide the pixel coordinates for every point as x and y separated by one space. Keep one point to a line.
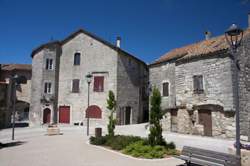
46 115
22 110
94 112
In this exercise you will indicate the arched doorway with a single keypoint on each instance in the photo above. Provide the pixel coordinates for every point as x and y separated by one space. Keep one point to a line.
46 115
94 111
22 110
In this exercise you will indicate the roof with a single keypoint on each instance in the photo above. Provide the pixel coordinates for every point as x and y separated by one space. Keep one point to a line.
10 67
205 47
62 42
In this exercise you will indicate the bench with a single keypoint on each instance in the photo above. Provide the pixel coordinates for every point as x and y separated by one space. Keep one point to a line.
207 157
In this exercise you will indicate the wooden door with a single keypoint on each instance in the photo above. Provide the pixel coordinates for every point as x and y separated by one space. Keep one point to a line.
46 115
205 119
64 114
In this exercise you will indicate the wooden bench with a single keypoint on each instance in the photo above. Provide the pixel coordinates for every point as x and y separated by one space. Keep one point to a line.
207 157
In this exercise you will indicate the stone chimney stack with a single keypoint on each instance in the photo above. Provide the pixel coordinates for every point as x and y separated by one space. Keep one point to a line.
118 42
208 35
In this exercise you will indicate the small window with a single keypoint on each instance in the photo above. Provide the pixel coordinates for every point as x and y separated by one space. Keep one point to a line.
98 84
198 83
49 64
77 59
47 87
75 85
165 89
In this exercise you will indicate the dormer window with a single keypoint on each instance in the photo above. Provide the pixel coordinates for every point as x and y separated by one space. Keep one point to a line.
49 64
77 58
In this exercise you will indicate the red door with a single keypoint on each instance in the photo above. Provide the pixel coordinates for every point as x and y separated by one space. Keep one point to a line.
46 115
64 114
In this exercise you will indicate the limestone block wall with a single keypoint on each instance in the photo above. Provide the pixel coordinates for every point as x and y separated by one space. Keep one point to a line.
184 121
96 58
159 74
131 78
244 84
39 76
166 122
217 82
36 89
223 124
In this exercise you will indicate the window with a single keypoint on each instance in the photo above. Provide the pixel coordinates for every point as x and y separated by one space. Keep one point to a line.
165 89
75 85
49 64
77 58
47 87
198 83
98 84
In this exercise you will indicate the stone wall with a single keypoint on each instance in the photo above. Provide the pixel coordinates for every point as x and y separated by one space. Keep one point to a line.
96 58
131 81
166 121
35 117
244 87
5 114
99 59
217 82
158 74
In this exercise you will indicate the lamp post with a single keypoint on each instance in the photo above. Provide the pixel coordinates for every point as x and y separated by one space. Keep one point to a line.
234 37
15 80
88 78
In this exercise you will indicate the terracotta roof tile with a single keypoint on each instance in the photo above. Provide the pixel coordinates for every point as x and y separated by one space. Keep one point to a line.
204 47
9 67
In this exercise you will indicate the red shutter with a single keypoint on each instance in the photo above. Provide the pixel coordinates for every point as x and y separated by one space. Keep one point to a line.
98 83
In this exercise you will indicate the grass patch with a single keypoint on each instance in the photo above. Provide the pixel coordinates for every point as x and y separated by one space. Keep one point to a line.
135 146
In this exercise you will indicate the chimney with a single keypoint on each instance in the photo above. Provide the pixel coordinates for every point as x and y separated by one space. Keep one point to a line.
208 35
118 42
249 20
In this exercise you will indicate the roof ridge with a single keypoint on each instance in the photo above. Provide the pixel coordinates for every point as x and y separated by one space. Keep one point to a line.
81 30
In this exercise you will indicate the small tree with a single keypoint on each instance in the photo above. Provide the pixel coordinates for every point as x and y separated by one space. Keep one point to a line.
111 105
155 135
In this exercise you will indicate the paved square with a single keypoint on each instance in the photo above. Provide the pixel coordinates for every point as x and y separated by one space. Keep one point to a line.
69 149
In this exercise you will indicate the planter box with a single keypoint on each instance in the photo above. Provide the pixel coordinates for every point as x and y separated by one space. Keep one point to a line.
53 130
245 155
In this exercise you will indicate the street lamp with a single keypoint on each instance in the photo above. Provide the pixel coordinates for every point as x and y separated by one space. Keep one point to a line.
234 37
15 80
88 78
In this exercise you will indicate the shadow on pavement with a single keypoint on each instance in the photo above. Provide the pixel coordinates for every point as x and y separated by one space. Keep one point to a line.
11 144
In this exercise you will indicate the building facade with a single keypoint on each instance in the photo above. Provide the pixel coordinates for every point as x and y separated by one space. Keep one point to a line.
22 93
60 90
197 83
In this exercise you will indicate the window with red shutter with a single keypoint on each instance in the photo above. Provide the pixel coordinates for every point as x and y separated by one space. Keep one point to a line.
98 84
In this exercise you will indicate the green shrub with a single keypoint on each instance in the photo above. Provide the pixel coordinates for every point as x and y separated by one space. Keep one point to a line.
170 145
142 150
172 152
98 140
119 142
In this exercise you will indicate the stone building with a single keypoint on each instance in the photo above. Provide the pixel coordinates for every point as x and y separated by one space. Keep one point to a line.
197 83
60 90
22 92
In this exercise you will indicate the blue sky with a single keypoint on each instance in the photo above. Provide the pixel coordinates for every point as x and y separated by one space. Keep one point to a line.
149 28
